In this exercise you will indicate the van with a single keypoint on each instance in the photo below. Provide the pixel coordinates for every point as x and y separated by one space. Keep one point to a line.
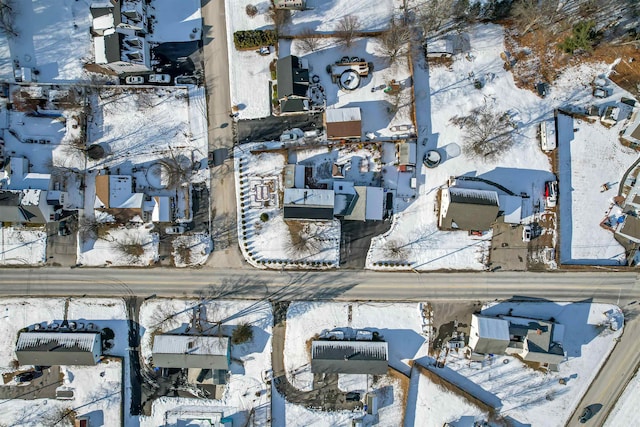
547 136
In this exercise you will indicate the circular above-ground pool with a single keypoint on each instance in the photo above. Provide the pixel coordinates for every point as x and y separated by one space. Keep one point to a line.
349 80
157 176
432 159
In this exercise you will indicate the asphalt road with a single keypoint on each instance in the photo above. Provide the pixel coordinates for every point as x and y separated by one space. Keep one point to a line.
354 285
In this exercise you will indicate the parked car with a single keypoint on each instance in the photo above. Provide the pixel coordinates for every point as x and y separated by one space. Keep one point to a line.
175 229
25 377
134 80
264 50
551 193
586 415
526 233
186 80
160 78
352 396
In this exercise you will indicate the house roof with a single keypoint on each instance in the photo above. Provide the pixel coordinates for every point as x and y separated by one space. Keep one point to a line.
308 197
115 192
369 204
293 105
407 153
24 206
469 209
58 348
308 212
292 79
338 115
21 178
630 228
492 328
541 337
191 351
161 209
349 357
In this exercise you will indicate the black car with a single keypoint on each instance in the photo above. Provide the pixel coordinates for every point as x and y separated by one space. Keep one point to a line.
586 415
352 396
25 377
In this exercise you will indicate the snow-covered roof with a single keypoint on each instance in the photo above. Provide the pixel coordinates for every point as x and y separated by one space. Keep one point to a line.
21 178
191 351
473 196
77 341
343 114
114 192
58 348
161 209
103 22
407 153
492 328
349 357
308 197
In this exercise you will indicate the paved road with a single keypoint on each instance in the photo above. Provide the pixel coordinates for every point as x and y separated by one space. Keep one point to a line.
321 285
220 125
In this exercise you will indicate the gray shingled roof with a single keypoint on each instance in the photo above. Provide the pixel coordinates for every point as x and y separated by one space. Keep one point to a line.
349 357
58 348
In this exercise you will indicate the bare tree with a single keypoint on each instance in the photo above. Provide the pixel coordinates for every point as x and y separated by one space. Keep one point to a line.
395 250
309 40
395 42
7 18
348 28
531 14
131 247
489 133
279 16
432 17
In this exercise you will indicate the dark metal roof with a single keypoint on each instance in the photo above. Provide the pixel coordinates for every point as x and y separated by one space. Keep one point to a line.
470 209
292 105
9 198
308 212
349 357
292 79
112 47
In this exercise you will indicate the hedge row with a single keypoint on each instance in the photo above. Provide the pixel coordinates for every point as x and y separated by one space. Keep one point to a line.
254 38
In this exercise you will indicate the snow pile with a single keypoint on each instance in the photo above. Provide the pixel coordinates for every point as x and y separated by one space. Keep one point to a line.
22 246
245 392
191 249
120 247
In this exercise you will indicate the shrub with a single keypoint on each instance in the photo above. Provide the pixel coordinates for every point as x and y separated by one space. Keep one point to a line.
242 333
254 38
264 217
251 10
582 38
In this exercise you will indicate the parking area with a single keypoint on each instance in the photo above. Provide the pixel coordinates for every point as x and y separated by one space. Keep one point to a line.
43 387
508 251
356 239
62 246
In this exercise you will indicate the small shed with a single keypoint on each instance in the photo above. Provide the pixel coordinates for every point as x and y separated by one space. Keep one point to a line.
343 123
59 348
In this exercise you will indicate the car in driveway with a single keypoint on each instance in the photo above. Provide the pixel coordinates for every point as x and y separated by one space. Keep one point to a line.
551 193
352 396
160 78
25 377
175 229
526 233
134 80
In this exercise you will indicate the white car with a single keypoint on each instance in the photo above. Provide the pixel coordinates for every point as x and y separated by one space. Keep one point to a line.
160 78
134 80
175 229
526 233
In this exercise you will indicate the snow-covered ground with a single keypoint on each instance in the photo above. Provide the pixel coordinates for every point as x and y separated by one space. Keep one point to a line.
525 393
98 390
120 247
589 155
22 246
249 360
624 413
268 241
398 324
176 22
324 16
192 249
53 38
249 73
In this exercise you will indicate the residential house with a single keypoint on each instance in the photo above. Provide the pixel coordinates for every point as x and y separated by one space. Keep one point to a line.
290 4
631 133
293 85
26 206
191 351
59 348
629 228
532 340
467 209
114 195
119 30
366 205
311 204
349 357
343 123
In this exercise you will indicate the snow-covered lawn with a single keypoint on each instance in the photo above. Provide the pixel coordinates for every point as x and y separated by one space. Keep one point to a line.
249 360
525 393
120 247
269 241
192 249
97 389
398 324
249 73
53 37
175 21
22 246
589 155
324 16
624 413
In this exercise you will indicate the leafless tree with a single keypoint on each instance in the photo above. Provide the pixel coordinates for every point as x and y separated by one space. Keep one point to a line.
7 18
530 14
347 29
309 40
279 16
396 250
432 17
395 42
489 133
131 247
